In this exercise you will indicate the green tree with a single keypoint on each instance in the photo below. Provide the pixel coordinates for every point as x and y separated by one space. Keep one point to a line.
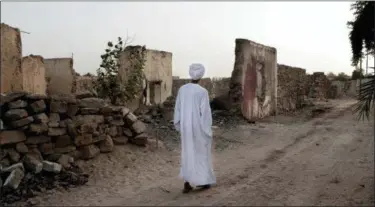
109 84
361 37
357 74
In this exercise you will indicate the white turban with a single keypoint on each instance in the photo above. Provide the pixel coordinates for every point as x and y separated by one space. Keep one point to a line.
196 71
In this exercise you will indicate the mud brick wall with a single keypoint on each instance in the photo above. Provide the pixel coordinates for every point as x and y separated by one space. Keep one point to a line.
290 87
253 85
50 133
33 74
11 55
60 76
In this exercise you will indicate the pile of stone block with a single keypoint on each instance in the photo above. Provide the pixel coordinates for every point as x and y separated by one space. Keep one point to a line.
43 133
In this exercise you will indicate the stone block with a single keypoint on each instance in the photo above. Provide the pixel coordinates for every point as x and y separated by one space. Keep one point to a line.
51 167
38 106
89 152
14 156
67 149
14 179
32 164
63 141
91 103
54 117
138 127
60 107
120 140
22 122
87 111
35 140
72 110
17 104
56 131
41 118
15 114
46 148
83 140
106 145
11 137
139 140
38 128
22 148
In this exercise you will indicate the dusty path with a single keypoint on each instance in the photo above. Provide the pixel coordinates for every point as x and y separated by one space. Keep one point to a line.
325 161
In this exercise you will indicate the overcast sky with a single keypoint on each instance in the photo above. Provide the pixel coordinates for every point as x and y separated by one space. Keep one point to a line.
311 35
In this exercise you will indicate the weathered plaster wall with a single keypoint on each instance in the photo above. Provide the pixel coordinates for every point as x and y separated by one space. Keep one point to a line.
60 75
290 89
253 85
158 68
33 73
11 55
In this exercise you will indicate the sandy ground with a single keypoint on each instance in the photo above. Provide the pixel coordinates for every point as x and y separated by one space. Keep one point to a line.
327 160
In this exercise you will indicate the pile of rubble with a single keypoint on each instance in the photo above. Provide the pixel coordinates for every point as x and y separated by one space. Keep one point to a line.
45 136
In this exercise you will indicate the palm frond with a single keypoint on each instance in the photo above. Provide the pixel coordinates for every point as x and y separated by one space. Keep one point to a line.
366 98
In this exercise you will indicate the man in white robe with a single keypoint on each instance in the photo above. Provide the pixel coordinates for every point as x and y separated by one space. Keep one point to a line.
193 119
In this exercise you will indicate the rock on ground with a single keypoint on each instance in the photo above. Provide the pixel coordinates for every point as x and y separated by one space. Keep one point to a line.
14 179
51 167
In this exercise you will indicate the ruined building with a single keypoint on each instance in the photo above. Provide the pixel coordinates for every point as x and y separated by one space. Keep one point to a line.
11 55
158 75
17 73
253 85
60 75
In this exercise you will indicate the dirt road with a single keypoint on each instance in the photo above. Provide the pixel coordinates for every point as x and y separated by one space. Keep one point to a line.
328 160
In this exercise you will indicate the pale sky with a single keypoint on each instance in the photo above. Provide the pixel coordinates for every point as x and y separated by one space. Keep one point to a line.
310 35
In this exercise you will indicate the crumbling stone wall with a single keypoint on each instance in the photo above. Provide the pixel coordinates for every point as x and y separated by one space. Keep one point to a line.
49 133
253 85
220 86
60 75
215 87
319 86
290 88
339 89
33 74
157 69
204 82
11 54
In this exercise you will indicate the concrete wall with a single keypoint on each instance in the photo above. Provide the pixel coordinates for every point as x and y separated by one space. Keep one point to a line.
158 68
290 89
11 54
60 75
33 73
253 85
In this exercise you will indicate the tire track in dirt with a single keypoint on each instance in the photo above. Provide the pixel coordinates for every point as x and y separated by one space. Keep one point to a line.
254 170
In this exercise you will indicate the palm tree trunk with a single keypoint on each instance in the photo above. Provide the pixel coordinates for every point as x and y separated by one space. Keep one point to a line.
360 76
